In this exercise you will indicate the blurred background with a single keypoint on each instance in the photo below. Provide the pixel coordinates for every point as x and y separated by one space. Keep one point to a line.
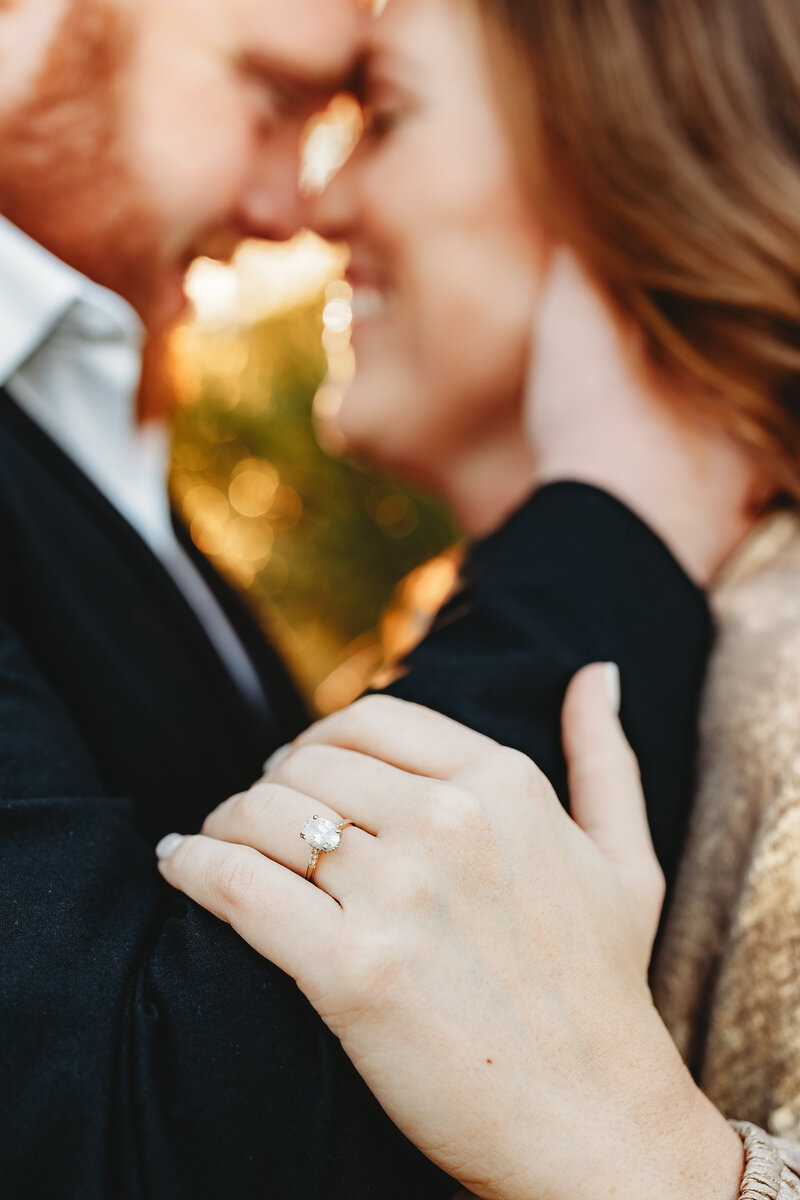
344 568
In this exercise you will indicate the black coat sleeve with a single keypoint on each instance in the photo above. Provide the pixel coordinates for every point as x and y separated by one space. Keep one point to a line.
145 1050
574 577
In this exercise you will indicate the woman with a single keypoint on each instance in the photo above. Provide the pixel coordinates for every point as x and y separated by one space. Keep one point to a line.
448 266
491 986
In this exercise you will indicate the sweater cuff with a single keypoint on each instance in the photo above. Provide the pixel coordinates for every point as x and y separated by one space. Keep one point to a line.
767 1175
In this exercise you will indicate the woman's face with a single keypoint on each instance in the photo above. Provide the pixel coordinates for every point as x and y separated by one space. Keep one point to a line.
446 262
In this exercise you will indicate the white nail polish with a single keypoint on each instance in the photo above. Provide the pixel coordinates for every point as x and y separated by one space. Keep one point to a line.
613 685
167 844
275 760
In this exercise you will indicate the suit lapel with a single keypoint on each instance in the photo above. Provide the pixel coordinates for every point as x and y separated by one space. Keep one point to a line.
184 622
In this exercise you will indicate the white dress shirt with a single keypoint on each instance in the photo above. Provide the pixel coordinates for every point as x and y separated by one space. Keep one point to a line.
70 357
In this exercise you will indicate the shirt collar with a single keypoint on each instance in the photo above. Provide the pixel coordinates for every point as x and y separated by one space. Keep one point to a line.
38 291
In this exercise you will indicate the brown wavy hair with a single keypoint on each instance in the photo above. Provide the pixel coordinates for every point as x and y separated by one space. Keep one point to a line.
661 140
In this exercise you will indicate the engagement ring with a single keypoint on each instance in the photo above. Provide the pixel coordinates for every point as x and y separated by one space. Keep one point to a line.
323 836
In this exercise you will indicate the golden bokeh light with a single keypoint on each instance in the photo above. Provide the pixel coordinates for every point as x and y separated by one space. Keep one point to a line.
329 140
253 488
333 558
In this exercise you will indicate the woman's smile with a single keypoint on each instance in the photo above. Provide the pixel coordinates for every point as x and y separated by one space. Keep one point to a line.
446 260
372 299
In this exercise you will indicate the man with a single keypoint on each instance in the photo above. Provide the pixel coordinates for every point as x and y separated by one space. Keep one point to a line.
135 691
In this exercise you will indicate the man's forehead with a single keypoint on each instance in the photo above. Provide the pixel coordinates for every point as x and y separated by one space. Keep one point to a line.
313 42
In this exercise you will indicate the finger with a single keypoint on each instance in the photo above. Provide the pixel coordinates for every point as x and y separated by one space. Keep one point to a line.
281 916
371 792
270 818
403 734
606 797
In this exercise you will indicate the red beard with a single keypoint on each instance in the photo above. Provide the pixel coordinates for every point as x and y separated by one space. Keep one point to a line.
63 179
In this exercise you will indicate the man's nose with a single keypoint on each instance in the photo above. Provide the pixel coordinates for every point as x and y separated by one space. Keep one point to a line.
272 206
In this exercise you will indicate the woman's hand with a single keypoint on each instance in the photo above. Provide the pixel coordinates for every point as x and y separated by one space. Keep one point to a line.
481 957
595 414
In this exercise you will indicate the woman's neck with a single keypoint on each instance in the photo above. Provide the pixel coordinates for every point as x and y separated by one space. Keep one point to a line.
487 481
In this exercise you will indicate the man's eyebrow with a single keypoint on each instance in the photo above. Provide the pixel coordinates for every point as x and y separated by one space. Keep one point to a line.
304 83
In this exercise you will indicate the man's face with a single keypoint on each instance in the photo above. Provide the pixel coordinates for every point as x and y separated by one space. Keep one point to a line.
137 134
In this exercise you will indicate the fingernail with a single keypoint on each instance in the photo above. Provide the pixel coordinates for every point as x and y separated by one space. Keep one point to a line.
167 844
275 760
613 685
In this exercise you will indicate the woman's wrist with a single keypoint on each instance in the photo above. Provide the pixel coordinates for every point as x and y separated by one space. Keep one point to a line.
643 1131
713 1155
678 1143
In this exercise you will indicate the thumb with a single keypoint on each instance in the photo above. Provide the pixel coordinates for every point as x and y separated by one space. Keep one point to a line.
605 789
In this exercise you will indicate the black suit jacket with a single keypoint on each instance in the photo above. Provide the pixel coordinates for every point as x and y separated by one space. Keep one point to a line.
145 1050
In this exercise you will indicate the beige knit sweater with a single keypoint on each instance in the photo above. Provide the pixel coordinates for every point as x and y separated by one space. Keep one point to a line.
727 977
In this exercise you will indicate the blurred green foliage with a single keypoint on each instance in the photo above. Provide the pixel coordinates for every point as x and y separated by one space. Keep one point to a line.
323 561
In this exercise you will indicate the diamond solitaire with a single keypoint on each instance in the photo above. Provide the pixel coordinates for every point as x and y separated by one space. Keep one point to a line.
322 835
